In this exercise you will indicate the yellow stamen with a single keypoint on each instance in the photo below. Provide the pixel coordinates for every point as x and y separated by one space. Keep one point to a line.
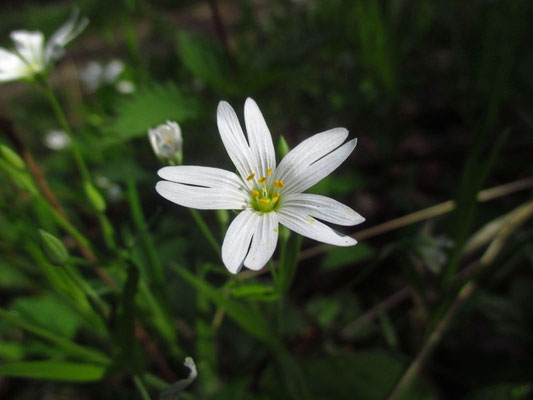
263 179
269 171
263 201
250 177
255 193
279 184
275 198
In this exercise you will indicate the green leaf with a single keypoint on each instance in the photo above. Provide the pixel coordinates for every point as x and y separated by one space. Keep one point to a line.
54 370
69 347
125 324
254 291
150 107
205 60
249 319
48 312
368 375
502 391
339 256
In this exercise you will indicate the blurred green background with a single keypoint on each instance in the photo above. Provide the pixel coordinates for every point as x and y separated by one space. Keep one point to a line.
439 95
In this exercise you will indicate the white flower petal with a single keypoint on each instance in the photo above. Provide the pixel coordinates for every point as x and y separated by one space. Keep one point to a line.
301 180
309 151
237 240
264 241
300 222
203 176
233 139
30 47
65 34
200 197
11 66
323 208
259 137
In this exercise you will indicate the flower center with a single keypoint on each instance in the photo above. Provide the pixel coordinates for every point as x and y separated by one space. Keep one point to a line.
265 194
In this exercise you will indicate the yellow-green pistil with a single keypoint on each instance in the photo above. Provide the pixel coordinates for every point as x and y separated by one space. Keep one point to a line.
265 196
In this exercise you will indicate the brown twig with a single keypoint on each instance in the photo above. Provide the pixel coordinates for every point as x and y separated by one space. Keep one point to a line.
418 216
515 220
220 28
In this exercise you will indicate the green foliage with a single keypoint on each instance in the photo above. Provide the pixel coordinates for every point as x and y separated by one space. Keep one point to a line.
152 106
363 375
54 371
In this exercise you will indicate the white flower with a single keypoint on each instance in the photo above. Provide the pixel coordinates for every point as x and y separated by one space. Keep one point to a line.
267 194
167 142
56 139
31 56
95 74
125 87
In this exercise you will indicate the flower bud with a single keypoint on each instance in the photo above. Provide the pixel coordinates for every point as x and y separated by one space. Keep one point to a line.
283 147
167 143
94 196
53 248
12 157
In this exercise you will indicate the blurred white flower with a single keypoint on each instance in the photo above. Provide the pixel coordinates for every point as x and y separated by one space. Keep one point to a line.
125 87
268 195
112 190
31 55
96 75
167 142
56 139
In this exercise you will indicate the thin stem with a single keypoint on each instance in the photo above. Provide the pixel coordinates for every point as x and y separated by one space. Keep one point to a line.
140 387
148 243
205 230
418 216
524 213
61 117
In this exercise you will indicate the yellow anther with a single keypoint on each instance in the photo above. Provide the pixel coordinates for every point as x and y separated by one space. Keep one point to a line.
275 198
255 193
269 171
263 201
263 179
250 177
279 184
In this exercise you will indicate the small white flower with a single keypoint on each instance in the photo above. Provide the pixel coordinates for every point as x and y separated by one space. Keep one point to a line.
95 74
125 87
31 56
267 194
56 139
167 142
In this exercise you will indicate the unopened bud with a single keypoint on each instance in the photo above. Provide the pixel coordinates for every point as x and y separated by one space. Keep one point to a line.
53 248
94 196
167 142
12 157
283 147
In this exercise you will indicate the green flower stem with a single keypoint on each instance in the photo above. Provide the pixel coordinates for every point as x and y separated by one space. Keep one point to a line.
106 226
61 117
148 243
141 388
99 305
205 230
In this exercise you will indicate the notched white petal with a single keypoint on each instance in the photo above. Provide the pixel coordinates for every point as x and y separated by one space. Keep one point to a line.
237 240
264 241
299 222
203 176
201 198
323 208
233 138
259 137
303 179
